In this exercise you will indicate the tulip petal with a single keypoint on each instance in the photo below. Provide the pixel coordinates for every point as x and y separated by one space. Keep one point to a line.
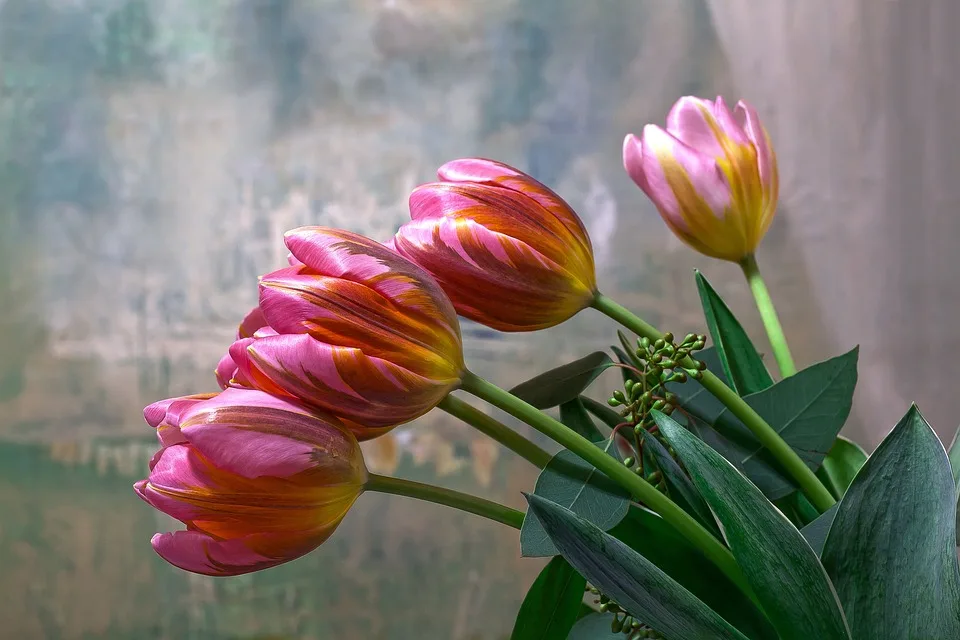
253 434
251 323
729 126
692 121
766 160
200 553
360 388
225 371
633 161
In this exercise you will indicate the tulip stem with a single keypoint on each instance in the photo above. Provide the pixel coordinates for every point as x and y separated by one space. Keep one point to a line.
447 497
771 322
614 469
496 430
818 495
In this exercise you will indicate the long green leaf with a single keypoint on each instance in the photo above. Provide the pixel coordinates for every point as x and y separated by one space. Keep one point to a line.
564 383
551 606
807 410
891 551
577 485
841 465
954 454
602 412
741 362
816 532
574 415
649 535
679 486
778 563
632 581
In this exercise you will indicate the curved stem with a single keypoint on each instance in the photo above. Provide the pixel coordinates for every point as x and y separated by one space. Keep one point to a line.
496 430
768 437
771 322
616 471
447 497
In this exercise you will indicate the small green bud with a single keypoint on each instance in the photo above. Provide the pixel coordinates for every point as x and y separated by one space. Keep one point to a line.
659 344
628 461
667 337
613 402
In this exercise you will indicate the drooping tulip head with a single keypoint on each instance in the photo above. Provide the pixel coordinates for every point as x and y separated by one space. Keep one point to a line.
355 329
712 175
257 480
511 254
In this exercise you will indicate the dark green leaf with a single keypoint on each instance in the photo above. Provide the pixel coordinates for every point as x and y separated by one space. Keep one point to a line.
552 604
626 373
577 485
595 626
954 454
630 349
816 532
679 486
602 412
742 364
807 410
556 386
632 581
841 465
574 415
649 535
783 570
891 551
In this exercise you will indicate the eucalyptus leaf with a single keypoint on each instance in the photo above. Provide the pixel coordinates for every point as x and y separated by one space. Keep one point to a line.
574 415
679 486
841 465
891 551
780 566
626 373
564 383
816 532
632 581
602 412
576 484
630 349
551 606
954 454
649 535
741 363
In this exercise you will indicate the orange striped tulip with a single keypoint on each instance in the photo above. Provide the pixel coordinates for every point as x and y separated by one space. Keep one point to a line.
509 252
257 480
354 329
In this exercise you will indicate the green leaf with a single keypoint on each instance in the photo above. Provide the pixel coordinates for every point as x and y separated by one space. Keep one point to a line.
780 566
891 551
807 410
954 454
629 349
741 363
649 535
679 486
632 581
622 358
841 465
554 387
552 604
577 485
602 412
816 532
595 626
574 415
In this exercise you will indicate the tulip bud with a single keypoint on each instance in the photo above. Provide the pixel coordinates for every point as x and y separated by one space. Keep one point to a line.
509 252
712 175
355 329
257 480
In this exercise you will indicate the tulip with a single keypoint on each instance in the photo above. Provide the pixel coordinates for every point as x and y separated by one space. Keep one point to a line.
509 252
226 371
712 175
352 328
257 480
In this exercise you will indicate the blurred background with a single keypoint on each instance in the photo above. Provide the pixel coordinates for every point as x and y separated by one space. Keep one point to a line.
152 152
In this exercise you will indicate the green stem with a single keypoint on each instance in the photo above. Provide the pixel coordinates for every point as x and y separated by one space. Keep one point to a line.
447 497
496 430
616 471
768 437
781 351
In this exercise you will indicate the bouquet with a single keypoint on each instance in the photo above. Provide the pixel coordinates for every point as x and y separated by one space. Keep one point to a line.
707 498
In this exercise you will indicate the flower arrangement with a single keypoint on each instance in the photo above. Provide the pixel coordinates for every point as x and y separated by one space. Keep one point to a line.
705 499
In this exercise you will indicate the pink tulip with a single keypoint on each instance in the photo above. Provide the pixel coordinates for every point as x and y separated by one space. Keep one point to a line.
712 175
258 481
353 328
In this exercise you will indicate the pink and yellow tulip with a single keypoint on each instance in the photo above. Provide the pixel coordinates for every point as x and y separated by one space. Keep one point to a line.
257 480
509 252
353 328
712 175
